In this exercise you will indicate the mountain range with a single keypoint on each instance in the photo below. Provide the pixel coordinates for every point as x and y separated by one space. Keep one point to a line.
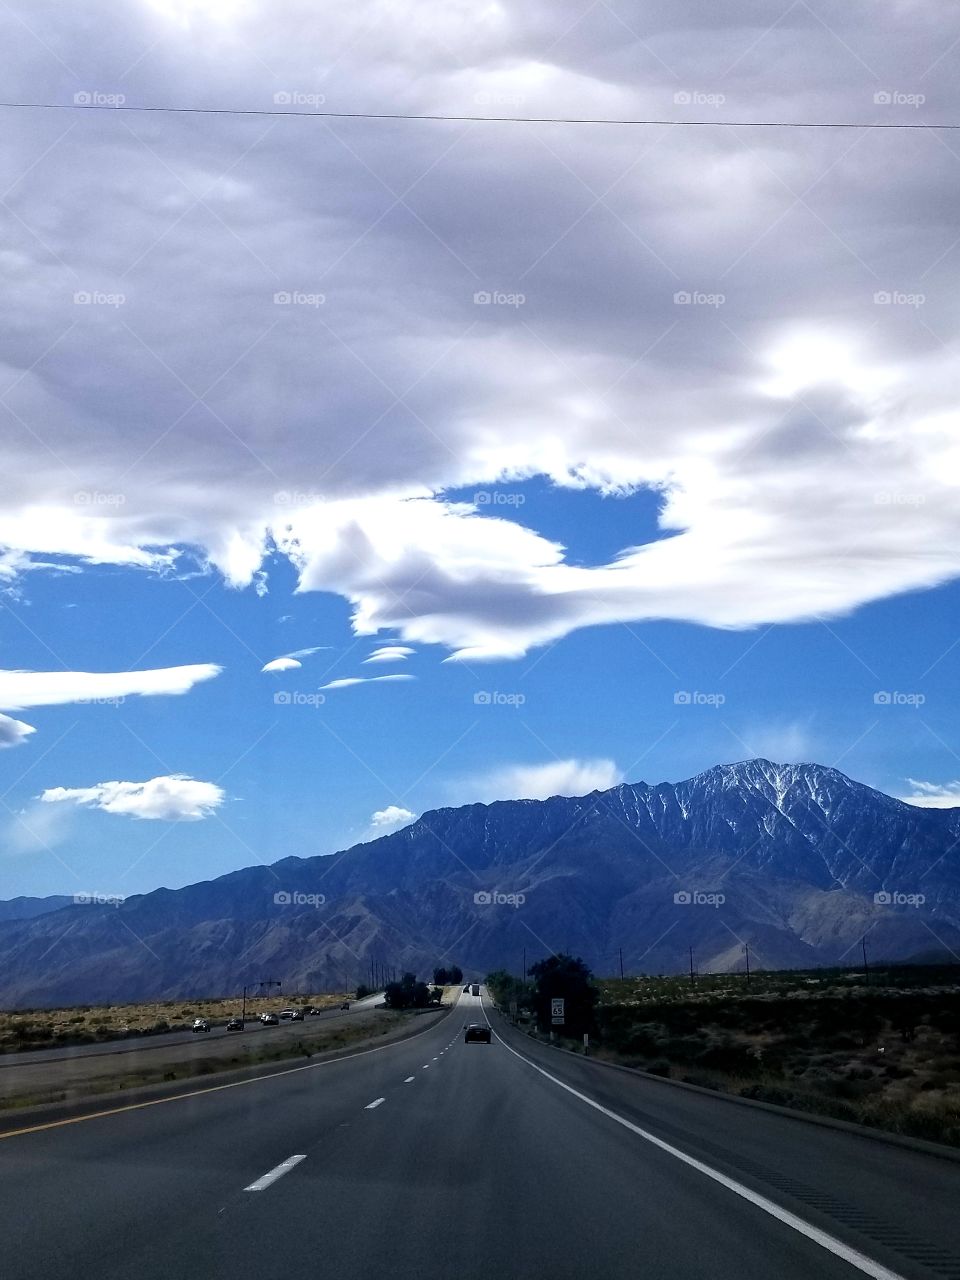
798 862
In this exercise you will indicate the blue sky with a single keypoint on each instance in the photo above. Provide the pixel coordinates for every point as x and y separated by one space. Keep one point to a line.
304 777
640 443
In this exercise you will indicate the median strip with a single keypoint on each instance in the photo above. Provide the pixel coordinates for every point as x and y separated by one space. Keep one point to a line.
262 1183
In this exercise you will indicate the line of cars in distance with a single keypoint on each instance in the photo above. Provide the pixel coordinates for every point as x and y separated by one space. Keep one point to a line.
267 1019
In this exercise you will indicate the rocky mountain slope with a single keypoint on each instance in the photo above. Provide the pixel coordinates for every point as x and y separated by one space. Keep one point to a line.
797 861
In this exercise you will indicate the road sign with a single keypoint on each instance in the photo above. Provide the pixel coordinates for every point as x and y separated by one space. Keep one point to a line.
513 1007
556 1012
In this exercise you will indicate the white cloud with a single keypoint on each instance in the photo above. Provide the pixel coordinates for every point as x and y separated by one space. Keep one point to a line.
13 732
19 689
391 817
390 653
800 436
176 797
540 781
346 681
281 664
289 661
933 795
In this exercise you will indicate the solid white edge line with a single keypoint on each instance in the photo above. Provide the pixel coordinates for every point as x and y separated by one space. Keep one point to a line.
376 1102
822 1238
262 1183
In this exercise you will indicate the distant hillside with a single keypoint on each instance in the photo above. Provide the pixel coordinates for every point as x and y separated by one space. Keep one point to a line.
27 908
798 861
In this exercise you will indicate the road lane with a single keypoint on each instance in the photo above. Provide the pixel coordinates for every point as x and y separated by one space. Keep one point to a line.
469 1163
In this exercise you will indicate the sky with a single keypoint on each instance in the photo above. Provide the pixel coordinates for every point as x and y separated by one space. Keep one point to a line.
357 467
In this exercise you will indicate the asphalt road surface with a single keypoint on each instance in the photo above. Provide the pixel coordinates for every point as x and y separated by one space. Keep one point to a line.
436 1159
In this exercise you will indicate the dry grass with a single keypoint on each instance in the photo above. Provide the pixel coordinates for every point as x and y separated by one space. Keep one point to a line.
87 1024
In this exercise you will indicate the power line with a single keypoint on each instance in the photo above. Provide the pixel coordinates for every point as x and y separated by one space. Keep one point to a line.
469 119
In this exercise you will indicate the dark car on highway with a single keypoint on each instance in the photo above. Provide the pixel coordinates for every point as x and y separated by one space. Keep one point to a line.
345 1005
269 1019
476 1032
200 1024
235 1024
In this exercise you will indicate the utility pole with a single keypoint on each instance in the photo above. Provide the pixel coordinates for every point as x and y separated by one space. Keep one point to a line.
621 963
524 964
866 971
746 952
692 979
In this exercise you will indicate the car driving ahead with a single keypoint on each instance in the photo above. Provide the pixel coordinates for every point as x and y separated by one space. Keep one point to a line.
476 1032
200 1024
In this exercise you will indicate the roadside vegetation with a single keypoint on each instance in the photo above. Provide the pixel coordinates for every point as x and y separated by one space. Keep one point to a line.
25 1029
879 1048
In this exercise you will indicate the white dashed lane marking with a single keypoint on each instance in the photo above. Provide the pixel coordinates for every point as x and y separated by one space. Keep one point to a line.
376 1102
262 1183
408 1079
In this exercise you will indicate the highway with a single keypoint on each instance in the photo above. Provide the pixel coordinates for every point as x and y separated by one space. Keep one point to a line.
432 1158
163 1039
